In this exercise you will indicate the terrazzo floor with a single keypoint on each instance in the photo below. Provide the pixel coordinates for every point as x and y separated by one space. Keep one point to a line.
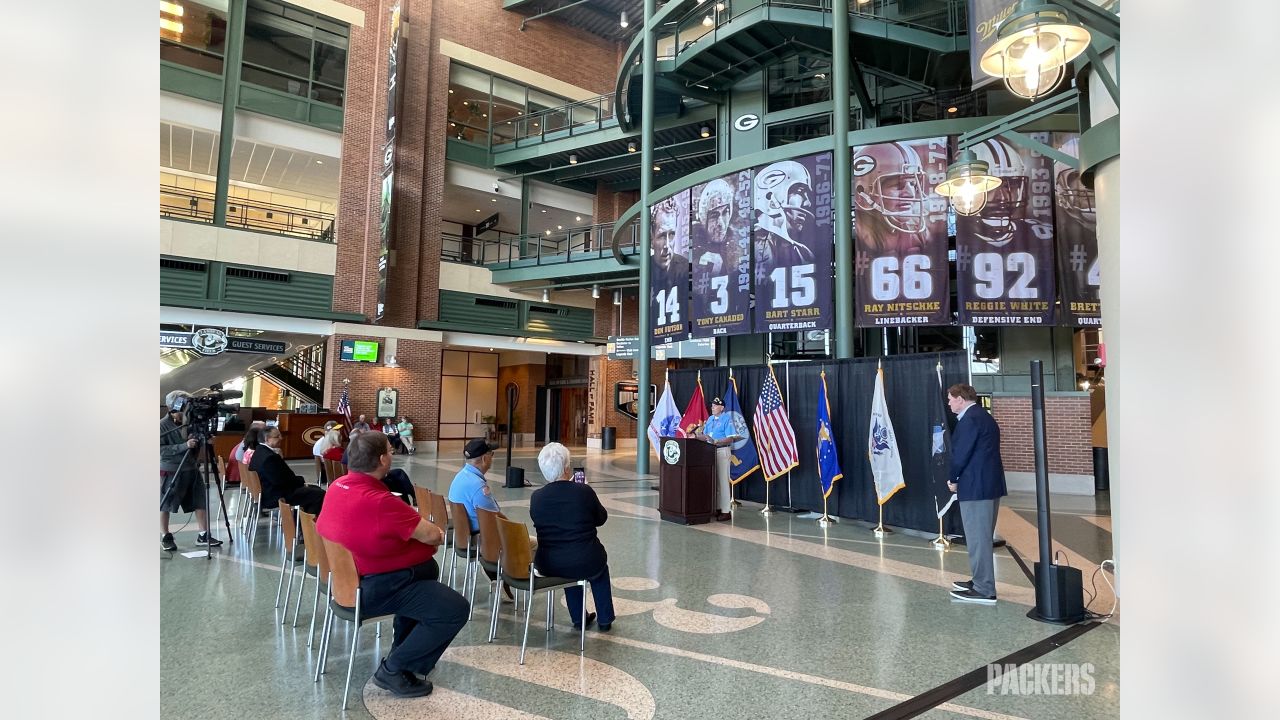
764 616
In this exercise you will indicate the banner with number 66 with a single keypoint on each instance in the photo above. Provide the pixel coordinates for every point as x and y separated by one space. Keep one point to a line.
793 244
1004 254
900 230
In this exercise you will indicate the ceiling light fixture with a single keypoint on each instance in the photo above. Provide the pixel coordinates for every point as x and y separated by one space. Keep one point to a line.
577 218
704 131
1033 47
617 297
559 227
708 21
953 109
968 182
623 20
631 147
595 292
573 159
657 167
546 295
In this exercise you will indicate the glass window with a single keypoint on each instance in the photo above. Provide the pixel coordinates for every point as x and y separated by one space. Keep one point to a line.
193 34
294 51
800 80
797 130
329 64
478 101
273 42
508 104
468 104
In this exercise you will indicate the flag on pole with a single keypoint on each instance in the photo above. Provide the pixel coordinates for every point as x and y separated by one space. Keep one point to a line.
828 462
666 419
882 446
344 405
776 440
695 414
743 459
941 444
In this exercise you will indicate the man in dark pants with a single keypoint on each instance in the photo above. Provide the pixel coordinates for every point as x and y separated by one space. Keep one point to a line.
279 481
979 484
394 551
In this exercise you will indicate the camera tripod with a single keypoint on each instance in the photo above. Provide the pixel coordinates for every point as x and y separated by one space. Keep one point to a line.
200 433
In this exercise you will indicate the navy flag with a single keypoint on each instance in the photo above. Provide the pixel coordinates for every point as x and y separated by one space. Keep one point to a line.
743 459
828 462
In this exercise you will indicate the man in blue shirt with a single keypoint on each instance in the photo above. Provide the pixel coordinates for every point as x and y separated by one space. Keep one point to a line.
719 431
979 483
469 486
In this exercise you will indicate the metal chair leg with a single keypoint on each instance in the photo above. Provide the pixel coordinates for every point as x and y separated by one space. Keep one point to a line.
302 587
527 612
582 639
351 657
280 584
493 613
315 608
551 605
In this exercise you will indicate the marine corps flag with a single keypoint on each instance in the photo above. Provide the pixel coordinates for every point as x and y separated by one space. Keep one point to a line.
882 446
695 414
743 458
828 462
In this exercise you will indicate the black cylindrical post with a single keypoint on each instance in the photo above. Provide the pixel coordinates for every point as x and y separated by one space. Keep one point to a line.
1038 438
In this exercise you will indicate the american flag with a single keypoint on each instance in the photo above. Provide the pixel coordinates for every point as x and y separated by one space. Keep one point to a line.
774 436
344 406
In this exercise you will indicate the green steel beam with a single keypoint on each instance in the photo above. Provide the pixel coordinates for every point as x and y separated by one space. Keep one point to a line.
549 13
1025 116
860 89
625 161
1099 144
1099 67
551 271
230 93
569 144
1034 145
841 69
648 63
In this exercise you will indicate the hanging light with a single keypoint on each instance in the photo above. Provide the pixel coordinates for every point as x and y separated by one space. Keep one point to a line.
1033 47
707 20
657 167
573 159
704 131
595 292
968 182
719 7
623 20
617 297
546 295
631 147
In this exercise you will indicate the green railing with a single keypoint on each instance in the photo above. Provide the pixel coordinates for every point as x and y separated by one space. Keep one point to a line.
197 206
590 242
564 121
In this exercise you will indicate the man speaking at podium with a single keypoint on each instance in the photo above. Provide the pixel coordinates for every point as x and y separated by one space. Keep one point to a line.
718 430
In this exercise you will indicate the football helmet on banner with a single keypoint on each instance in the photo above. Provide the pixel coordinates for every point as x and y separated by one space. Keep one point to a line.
784 199
715 209
889 181
1007 203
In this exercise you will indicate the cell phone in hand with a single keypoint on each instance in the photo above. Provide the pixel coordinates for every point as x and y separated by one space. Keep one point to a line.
580 475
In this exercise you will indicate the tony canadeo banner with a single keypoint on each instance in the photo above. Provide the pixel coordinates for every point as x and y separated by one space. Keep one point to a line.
669 266
1004 254
1076 226
900 226
721 259
793 244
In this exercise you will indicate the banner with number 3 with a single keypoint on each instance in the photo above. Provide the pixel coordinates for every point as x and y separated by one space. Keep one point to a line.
900 230
1004 254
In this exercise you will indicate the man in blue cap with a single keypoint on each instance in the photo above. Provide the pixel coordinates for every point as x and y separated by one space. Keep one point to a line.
719 431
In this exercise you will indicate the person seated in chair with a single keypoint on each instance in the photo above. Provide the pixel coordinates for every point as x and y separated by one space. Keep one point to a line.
333 446
279 481
470 489
394 552
566 515
392 431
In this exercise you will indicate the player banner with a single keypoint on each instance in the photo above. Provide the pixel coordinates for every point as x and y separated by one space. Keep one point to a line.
1076 230
900 230
721 258
793 244
669 266
1004 254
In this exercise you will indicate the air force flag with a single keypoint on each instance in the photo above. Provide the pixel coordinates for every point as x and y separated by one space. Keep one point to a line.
828 461
882 446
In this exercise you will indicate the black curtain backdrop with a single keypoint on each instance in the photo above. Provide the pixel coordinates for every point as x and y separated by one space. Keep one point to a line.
911 384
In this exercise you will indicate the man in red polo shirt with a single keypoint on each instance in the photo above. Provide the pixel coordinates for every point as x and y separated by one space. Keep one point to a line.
394 551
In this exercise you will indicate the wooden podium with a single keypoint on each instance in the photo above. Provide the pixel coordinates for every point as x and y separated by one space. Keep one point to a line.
687 480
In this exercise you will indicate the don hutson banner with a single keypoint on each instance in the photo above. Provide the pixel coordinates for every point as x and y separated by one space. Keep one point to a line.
793 238
900 227
1004 254
669 266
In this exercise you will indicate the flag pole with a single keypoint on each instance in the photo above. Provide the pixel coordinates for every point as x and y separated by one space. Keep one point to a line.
733 487
880 530
767 509
826 520
940 543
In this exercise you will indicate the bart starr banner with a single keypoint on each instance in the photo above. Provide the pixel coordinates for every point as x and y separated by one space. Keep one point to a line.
900 226
1076 228
721 259
793 239
1004 254
669 266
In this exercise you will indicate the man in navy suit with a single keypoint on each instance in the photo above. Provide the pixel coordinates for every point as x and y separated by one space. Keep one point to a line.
978 481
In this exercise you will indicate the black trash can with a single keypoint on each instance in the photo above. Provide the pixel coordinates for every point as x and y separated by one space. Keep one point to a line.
515 477
1101 476
608 438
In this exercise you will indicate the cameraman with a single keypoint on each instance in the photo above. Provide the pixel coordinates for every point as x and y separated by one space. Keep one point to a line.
180 484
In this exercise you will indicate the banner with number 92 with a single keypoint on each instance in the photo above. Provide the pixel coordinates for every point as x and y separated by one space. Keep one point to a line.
793 244
900 231
1004 254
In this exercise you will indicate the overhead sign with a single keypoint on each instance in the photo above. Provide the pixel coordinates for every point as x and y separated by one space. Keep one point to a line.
214 341
487 224
627 347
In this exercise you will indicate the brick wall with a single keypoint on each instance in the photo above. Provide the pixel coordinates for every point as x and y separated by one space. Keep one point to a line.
417 379
1068 428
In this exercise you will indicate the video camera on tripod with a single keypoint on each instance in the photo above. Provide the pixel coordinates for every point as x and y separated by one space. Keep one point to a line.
201 411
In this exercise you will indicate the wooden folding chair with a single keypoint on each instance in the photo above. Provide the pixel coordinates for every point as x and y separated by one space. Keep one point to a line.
344 603
288 543
313 555
519 573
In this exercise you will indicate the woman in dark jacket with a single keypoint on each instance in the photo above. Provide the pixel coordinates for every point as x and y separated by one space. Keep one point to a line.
565 515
